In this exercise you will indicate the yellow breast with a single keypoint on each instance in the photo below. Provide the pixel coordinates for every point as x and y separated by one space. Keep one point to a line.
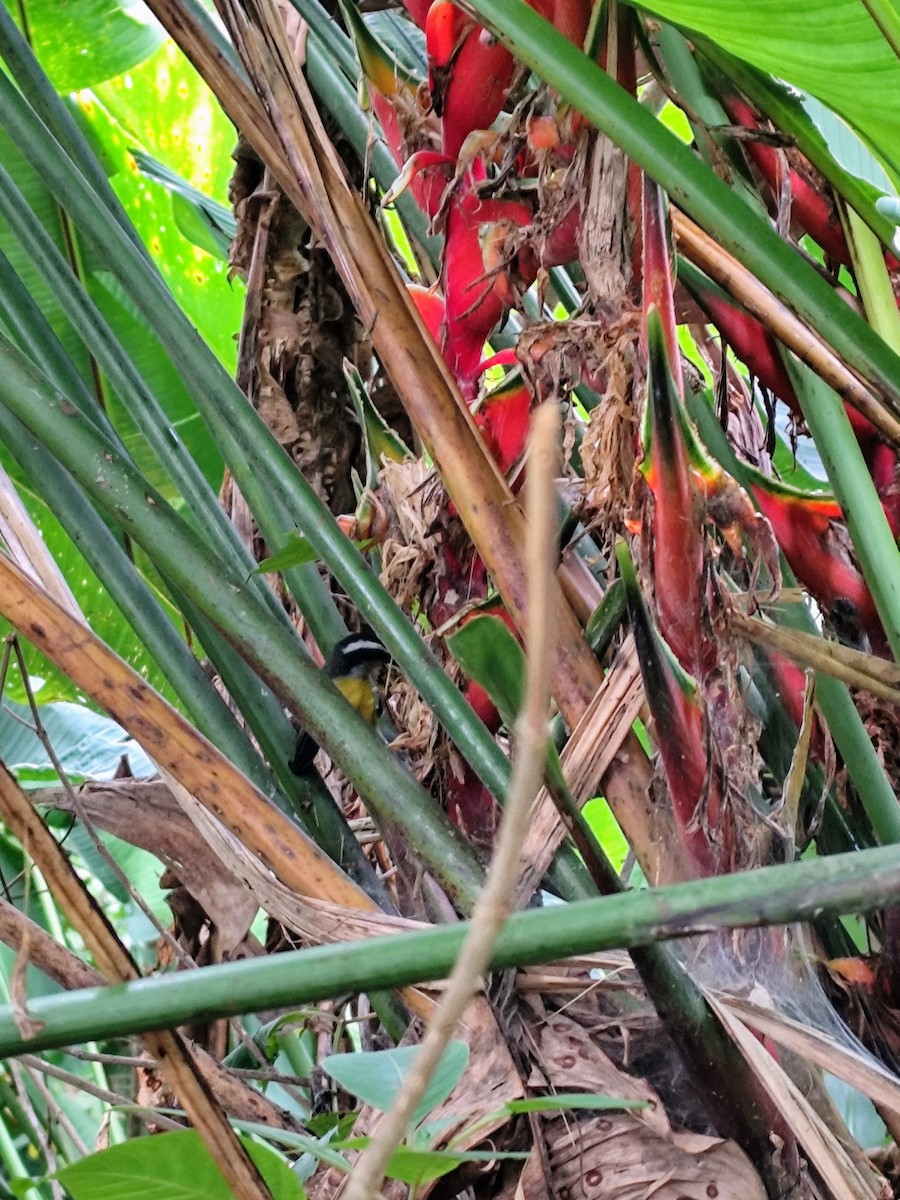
359 693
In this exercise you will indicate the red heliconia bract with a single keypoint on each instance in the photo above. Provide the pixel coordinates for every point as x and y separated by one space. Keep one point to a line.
570 17
789 682
801 524
680 733
418 10
812 211
503 419
676 518
755 346
469 73
883 464
475 301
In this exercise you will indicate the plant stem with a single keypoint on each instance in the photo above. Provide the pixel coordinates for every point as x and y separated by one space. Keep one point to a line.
842 883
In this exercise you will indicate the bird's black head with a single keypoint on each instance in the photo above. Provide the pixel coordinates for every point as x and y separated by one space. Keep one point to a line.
358 654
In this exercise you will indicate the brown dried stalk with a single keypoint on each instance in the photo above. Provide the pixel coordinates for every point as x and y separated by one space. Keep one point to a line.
853 667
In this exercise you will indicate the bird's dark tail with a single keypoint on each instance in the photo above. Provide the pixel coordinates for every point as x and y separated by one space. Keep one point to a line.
305 754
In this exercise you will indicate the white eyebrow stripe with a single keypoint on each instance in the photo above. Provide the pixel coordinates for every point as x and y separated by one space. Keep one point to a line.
363 647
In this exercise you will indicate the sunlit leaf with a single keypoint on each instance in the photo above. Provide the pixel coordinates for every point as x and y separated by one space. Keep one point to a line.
169 1166
82 42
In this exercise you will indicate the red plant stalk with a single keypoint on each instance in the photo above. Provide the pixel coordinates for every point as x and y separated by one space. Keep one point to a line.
680 734
813 212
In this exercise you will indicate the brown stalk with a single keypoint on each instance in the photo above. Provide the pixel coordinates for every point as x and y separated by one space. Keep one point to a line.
742 284
498 895
853 667
117 965
603 735
287 133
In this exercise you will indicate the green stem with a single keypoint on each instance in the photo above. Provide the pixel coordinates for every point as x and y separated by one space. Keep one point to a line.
885 15
798 891
309 799
872 279
249 448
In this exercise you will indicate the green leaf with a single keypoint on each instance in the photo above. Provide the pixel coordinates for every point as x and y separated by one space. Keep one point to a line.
169 1166
567 1101
829 48
489 654
165 109
266 1041
202 220
320 1148
88 745
294 553
378 1076
83 42
605 828
139 867
419 1166
21 1186
415 1166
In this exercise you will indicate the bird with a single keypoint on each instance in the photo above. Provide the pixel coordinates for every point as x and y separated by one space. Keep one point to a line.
354 666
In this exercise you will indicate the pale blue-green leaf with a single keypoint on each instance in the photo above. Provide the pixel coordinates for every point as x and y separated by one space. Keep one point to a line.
377 1077
317 1147
405 40
87 744
141 869
846 148
889 206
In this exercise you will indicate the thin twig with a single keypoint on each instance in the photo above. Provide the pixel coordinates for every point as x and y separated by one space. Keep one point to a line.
83 1085
54 1112
496 899
41 1137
